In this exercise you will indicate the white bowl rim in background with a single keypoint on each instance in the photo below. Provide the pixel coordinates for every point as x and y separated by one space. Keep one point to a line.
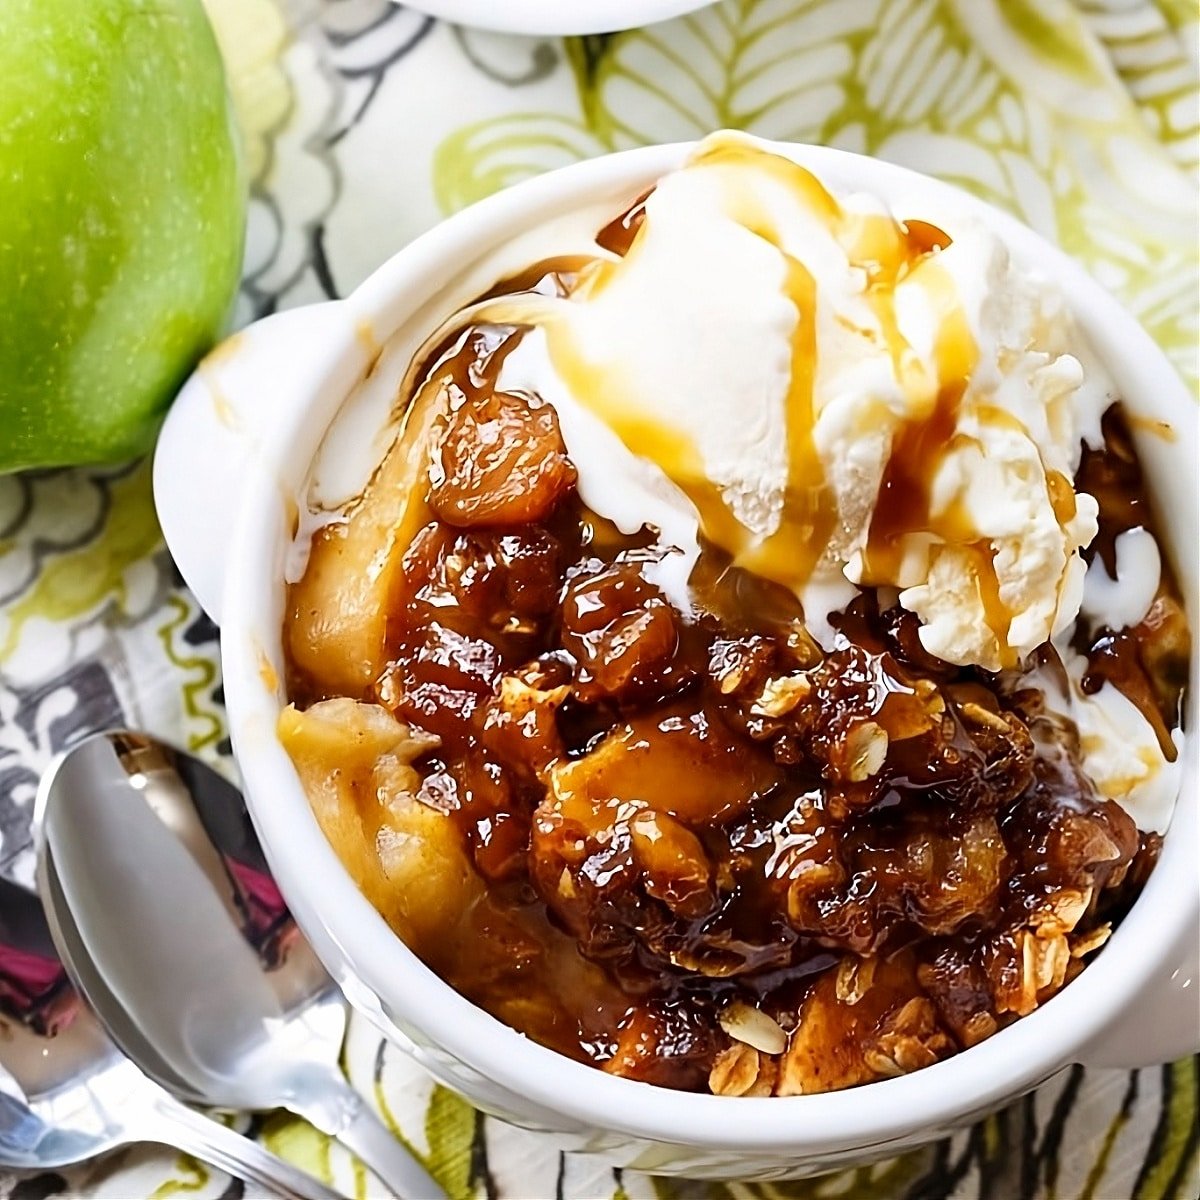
555 17
1088 1021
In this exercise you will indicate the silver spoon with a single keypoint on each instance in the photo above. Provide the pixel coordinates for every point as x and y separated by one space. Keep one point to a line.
164 912
67 1094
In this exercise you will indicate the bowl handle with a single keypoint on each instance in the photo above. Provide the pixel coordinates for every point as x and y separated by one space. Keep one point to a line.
219 433
1163 1024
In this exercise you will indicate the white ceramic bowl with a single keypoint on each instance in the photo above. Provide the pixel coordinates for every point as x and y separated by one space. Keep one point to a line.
234 454
556 16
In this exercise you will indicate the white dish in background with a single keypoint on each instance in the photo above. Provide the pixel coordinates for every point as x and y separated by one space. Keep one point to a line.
555 17
236 452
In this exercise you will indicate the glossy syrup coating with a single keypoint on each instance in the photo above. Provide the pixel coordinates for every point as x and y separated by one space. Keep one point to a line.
706 853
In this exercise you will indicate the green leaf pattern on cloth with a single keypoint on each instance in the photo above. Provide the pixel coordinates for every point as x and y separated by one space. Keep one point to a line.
450 1132
364 123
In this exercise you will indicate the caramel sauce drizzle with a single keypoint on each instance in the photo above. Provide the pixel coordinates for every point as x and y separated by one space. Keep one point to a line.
642 432
888 252
790 555
1062 496
923 442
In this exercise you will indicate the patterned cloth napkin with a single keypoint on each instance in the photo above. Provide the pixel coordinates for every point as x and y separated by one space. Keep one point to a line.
364 124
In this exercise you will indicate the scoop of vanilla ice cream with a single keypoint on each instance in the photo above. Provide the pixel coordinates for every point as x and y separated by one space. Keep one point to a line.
689 339
752 348
1018 422
1124 601
1121 755
1118 748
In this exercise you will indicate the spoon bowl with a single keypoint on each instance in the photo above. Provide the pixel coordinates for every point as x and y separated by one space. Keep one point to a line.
68 1094
164 911
62 1081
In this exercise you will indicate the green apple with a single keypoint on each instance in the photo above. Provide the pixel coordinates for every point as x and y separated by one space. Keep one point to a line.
122 212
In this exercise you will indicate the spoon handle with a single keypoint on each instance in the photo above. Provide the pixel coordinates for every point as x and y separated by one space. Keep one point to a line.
334 1107
181 1127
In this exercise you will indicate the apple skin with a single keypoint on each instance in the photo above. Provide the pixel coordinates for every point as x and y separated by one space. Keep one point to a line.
122 216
